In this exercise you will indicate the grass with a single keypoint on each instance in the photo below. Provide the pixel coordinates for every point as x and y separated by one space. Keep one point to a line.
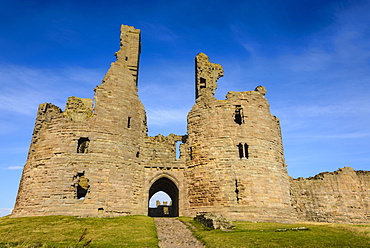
248 234
67 231
140 231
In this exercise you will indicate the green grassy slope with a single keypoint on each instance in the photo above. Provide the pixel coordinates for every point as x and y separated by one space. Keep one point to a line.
139 231
248 234
67 231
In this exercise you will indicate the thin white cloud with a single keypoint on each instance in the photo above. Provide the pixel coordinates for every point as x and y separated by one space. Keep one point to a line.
350 135
158 31
167 103
22 88
341 108
5 211
14 168
339 50
166 117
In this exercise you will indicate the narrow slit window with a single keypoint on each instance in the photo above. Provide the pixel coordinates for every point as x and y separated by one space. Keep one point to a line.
246 150
83 145
240 148
237 190
129 122
202 83
178 151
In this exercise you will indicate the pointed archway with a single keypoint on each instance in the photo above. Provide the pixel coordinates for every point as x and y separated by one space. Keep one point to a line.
169 187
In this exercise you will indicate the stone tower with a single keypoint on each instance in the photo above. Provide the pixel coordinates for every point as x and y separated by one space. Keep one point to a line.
235 152
84 159
96 159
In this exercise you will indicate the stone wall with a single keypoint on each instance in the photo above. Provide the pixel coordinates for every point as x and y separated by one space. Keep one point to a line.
342 196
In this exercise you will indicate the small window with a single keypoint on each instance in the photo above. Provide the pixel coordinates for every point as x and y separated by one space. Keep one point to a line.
129 122
237 190
238 115
246 152
243 150
202 83
178 151
240 148
83 145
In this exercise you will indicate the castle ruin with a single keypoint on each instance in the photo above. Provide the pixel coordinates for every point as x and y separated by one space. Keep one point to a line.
95 158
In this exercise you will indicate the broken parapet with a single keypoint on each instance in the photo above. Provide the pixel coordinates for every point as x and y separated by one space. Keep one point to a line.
214 221
207 74
79 109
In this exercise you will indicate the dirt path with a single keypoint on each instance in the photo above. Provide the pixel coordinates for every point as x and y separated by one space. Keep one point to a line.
173 233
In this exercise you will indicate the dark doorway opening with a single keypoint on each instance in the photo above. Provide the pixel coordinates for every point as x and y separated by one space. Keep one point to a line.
166 185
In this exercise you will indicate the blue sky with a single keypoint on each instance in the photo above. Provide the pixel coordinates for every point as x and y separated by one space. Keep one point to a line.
312 56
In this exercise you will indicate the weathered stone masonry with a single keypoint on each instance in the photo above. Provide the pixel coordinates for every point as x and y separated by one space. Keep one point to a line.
340 196
96 159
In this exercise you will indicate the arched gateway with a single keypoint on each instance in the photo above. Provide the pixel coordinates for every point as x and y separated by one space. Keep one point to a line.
169 187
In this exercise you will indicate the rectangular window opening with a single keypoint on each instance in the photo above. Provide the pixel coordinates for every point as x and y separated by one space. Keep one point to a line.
240 148
178 152
129 122
202 83
243 150
83 145
238 115
237 190
246 150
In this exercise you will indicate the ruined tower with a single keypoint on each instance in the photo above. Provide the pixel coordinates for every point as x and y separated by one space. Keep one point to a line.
94 143
235 152
96 159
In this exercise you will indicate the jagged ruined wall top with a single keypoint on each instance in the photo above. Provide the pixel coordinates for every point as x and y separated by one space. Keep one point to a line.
207 74
125 68
116 100
79 109
130 48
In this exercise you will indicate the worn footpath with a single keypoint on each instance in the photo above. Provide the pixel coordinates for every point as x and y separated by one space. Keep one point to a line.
173 233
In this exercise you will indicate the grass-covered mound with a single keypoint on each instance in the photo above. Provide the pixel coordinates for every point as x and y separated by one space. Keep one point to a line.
248 234
67 231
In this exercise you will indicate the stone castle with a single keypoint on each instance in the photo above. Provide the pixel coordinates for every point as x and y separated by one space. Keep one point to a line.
95 158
